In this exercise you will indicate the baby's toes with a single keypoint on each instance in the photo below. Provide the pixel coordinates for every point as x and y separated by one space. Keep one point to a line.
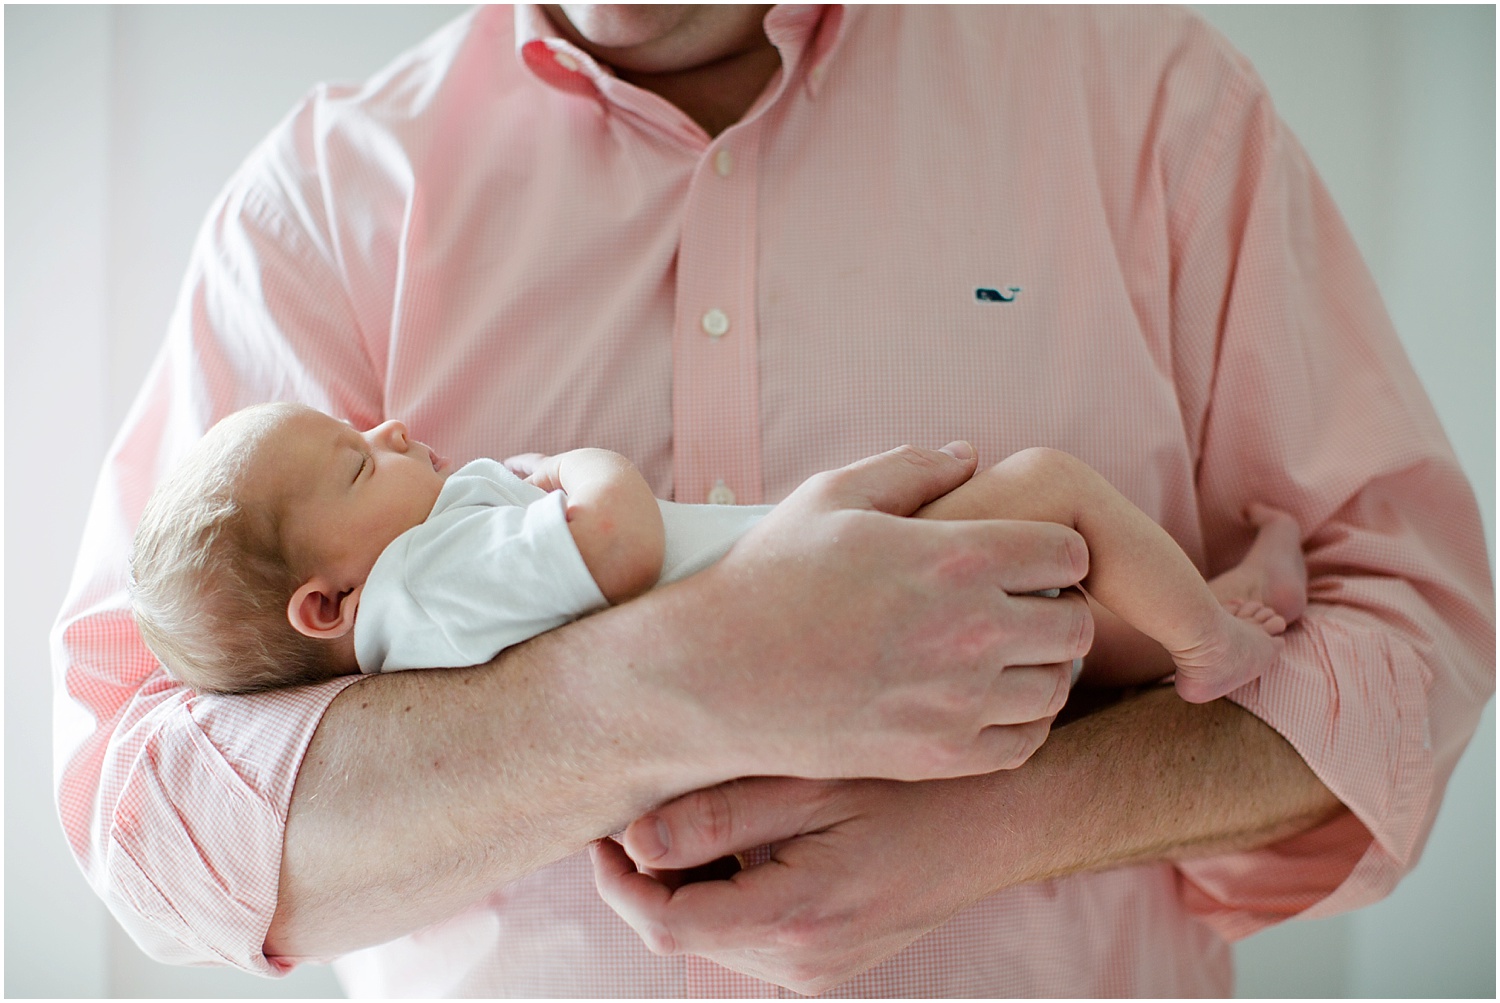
1263 616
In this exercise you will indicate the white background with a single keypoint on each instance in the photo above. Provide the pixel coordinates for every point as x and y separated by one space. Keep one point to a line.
121 124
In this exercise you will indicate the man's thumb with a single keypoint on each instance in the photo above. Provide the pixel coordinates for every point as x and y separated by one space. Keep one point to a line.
902 480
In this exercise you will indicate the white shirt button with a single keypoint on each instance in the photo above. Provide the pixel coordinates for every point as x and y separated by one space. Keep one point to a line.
720 494
723 162
566 61
715 323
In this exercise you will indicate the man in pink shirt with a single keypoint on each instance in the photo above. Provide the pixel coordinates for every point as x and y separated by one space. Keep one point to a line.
742 247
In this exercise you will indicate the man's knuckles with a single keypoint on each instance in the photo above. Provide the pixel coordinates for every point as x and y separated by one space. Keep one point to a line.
920 461
704 825
694 829
960 566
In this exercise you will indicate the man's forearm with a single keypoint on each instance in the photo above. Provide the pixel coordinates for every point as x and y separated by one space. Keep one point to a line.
421 791
1149 778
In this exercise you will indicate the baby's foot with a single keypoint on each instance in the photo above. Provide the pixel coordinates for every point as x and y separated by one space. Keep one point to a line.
1273 572
1244 643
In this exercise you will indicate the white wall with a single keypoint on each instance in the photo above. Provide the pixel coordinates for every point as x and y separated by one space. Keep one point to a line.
122 123
54 282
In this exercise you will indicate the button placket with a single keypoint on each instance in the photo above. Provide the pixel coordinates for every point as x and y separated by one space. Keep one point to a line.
715 387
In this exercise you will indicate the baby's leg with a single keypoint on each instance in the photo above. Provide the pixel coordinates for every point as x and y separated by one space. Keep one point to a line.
1135 569
1272 574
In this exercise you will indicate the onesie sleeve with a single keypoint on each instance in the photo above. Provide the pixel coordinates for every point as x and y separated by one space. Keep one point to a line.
1300 396
698 535
494 565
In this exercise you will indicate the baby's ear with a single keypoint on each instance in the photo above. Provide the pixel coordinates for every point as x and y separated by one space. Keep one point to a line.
319 610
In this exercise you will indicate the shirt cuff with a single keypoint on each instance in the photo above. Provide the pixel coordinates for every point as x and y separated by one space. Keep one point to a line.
1353 702
193 860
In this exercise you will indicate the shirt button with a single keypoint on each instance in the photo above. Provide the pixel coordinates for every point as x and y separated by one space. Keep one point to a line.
723 162
720 494
715 323
566 61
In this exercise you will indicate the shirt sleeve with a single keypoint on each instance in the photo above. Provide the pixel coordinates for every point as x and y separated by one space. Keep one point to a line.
174 803
1300 396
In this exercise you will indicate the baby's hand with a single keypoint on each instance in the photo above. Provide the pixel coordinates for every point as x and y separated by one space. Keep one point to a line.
524 464
535 468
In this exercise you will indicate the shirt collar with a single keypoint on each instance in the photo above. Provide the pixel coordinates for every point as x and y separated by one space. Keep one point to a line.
808 33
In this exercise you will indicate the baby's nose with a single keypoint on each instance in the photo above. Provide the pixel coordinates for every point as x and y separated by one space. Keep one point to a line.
393 433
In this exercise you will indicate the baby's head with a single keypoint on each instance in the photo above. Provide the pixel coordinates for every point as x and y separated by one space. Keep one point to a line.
250 558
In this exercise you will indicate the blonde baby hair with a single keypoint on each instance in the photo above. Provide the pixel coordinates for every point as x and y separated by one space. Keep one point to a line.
209 578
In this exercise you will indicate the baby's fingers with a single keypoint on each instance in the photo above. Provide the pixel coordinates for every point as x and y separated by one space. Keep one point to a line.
524 464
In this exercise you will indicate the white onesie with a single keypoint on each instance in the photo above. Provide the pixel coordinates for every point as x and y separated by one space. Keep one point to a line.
495 564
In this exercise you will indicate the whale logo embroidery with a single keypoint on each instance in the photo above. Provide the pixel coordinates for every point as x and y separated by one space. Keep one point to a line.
996 296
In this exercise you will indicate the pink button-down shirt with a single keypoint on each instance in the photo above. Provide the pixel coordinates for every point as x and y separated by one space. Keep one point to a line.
1077 228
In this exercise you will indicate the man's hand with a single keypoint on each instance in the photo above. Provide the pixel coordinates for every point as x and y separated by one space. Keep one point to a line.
887 647
859 870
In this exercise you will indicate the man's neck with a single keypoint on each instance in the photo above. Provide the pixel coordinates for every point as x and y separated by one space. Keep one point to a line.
713 62
719 94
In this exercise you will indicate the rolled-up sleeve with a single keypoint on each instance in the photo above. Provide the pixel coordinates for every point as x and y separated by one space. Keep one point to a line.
1304 399
174 803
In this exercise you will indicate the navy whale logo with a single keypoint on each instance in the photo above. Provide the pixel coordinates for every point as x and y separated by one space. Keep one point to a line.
995 295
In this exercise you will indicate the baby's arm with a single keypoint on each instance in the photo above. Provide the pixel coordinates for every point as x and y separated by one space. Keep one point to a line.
612 514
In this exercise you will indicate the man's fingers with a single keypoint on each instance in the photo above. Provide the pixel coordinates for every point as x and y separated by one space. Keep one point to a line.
697 918
638 898
1025 693
1031 556
1005 747
1021 706
1021 557
1042 631
708 824
903 479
